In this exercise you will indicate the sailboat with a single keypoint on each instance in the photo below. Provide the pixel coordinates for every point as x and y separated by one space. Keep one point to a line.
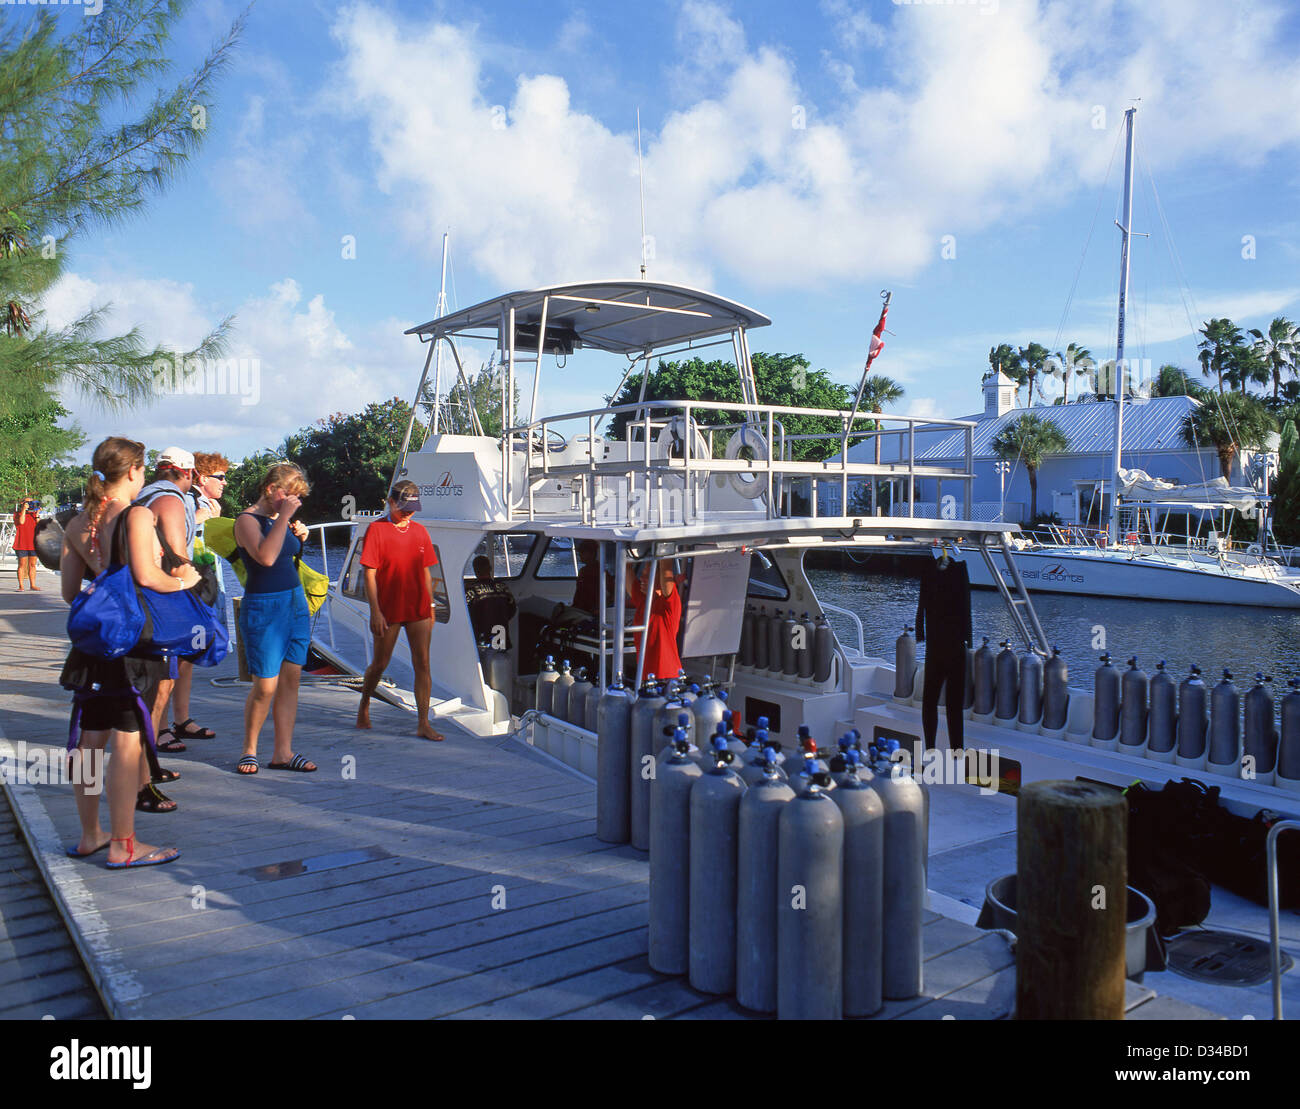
1140 560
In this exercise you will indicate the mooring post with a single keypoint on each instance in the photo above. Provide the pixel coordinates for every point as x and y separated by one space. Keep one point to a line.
244 674
1071 901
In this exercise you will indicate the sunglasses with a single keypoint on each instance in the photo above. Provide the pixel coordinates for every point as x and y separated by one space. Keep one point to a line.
215 477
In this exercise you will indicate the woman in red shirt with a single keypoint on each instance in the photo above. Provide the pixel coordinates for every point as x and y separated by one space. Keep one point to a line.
25 542
397 557
661 658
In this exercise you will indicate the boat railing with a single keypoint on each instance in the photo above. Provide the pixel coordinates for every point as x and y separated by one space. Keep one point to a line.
320 529
677 447
828 607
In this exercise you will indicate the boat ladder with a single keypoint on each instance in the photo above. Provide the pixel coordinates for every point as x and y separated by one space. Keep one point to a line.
1016 597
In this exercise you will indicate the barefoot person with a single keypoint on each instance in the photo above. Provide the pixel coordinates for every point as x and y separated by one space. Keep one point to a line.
109 691
25 542
397 557
274 622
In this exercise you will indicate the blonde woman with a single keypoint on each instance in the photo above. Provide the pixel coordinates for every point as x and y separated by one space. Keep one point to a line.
274 621
109 692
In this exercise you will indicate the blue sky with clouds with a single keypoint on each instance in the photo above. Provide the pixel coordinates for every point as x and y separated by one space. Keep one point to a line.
799 158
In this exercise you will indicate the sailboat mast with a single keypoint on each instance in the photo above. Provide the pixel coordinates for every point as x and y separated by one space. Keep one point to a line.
1126 230
439 310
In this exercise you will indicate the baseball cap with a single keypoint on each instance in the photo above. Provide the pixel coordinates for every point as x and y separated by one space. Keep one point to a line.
409 503
176 457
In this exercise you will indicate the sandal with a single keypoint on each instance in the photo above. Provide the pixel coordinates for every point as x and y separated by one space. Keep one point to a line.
295 763
155 857
187 729
172 746
165 775
247 765
152 799
73 853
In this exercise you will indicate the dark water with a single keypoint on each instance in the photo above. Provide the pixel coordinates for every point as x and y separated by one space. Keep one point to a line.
1213 637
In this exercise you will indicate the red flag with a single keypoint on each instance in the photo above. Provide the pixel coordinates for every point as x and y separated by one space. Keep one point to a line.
877 343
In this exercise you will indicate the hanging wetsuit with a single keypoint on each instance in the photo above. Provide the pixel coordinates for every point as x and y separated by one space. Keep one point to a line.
945 607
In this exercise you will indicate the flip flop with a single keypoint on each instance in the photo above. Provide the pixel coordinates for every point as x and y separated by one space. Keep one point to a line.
187 729
296 763
156 857
247 760
73 853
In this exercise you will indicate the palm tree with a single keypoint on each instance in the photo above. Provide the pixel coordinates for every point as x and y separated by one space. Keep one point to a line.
1003 358
1228 423
1028 440
1032 358
1174 381
1278 348
1220 336
879 392
1077 359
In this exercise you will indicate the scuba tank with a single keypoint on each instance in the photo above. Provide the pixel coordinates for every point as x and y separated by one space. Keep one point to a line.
823 650
864 877
762 750
643 744
985 680
1224 755
745 652
904 665
805 653
968 702
708 711
1008 683
906 838
756 886
666 720
737 746
546 677
1105 704
1260 741
809 765
789 653
776 643
715 827
761 639
1134 688
1162 717
810 908
1031 691
670 857
591 713
560 695
613 762
1056 693
1191 721
1287 775
578 692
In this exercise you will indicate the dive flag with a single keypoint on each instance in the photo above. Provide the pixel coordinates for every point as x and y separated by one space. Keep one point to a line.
878 343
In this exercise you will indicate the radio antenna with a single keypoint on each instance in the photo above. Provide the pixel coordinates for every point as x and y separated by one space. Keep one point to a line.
640 172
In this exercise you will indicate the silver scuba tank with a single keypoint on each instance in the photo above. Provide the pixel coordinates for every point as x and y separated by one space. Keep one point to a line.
577 709
1287 775
1031 689
613 763
715 830
591 713
1260 739
823 650
756 893
762 750
776 643
707 712
789 652
745 652
1224 754
985 679
546 677
968 702
641 765
1056 692
1135 687
804 655
1191 720
761 638
560 695
1105 703
1008 683
864 877
906 837
810 908
670 858
904 664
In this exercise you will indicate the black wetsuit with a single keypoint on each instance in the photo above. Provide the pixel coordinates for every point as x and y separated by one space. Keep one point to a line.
945 606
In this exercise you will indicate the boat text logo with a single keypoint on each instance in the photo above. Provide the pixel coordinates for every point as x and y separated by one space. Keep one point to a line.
1054 573
446 486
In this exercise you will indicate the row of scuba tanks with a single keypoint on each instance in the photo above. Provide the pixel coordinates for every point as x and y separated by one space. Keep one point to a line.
1151 715
803 892
784 646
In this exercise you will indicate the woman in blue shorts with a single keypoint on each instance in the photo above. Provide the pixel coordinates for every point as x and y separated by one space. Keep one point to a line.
274 622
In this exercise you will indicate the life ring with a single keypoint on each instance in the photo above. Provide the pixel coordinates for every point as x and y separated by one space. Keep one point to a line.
754 483
1255 549
673 438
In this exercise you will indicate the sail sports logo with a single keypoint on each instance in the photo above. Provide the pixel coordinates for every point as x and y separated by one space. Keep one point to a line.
1056 573
445 486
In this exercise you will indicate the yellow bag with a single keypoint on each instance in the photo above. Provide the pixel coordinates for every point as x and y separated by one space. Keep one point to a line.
219 535
314 584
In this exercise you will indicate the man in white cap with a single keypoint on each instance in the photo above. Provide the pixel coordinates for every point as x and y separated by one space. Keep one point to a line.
167 497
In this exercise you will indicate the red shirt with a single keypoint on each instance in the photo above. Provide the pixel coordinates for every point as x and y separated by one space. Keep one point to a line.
401 558
25 533
661 658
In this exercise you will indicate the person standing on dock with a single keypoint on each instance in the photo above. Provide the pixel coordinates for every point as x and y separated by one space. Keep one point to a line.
398 557
274 621
109 704
25 541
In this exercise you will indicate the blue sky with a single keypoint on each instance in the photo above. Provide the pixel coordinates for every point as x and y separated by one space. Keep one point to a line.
799 158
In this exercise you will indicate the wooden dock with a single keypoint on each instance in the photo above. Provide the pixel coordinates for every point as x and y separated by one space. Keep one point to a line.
404 879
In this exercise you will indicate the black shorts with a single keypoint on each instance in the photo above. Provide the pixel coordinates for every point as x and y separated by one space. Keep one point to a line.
103 714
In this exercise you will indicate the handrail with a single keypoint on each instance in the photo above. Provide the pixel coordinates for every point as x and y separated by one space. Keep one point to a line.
1274 926
827 607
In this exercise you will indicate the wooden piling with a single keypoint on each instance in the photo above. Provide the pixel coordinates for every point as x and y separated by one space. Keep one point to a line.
244 674
1071 901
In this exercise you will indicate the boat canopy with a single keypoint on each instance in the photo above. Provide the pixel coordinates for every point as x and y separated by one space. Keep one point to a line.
1137 486
624 317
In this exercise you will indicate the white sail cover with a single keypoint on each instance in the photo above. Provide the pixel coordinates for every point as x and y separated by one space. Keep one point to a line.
1138 485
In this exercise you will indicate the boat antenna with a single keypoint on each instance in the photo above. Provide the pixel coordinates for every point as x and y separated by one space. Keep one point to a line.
439 310
640 172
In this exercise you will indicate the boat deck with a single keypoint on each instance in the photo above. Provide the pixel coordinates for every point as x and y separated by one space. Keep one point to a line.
404 879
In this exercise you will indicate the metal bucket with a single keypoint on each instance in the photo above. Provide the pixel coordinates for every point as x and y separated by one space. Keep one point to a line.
1142 947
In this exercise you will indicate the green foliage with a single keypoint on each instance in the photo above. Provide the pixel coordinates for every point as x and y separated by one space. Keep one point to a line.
1173 381
1278 350
782 379
31 439
1028 440
70 483
1228 423
1286 493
